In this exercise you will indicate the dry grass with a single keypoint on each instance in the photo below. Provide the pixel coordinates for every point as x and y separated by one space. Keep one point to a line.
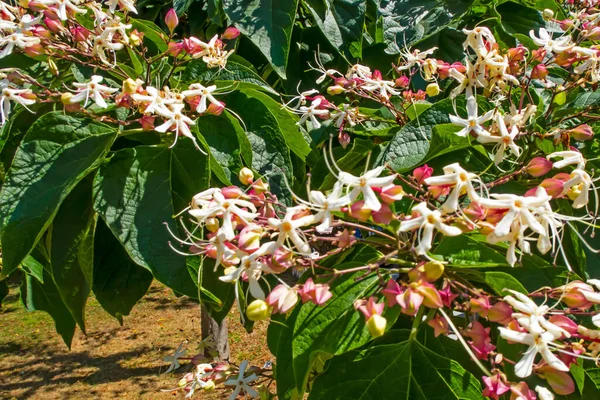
112 361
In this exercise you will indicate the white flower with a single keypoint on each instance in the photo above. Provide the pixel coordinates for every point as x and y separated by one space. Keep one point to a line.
155 101
569 157
174 359
358 70
426 222
227 208
62 6
472 123
583 182
325 74
205 93
345 114
20 40
477 38
126 5
532 316
174 117
591 63
253 269
466 81
544 393
15 95
545 40
520 209
241 383
94 90
365 183
325 205
8 11
538 343
311 113
415 58
300 99
514 237
462 181
505 141
289 229
385 88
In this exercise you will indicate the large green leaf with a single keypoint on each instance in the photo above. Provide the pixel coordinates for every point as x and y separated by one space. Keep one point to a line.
45 297
72 249
118 282
518 20
236 74
405 370
217 296
55 154
228 144
265 131
267 24
341 22
411 144
139 191
406 22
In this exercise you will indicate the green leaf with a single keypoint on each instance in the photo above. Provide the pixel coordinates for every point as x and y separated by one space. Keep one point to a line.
270 153
332 328
139 191
237 74
45 297
341 22
55 154
406 22
499 281
267 24
33 268
210 285
119 283
518 20
411 144
151 32
181 6
279 339
72 249
405 370
227 142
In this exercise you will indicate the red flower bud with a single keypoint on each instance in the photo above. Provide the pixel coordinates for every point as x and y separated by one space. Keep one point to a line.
539 72
582 132
422 173
538 55
402 81
554 187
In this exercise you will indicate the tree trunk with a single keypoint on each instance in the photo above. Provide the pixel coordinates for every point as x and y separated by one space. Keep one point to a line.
219 332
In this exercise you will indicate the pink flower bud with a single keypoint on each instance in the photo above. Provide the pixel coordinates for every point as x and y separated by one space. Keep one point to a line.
214 109
35 50
521 391
431 297
566 24
147 122
321 294
282 298
40 31
539 72
565 323
402 81
384 215
80 34
573 295
280 260
54 26
391 292
439 190
36 6
171 20
439 325
230 33
391 193
446 295
516 53
554 187
249 238
422 173
410 301
233 192
538 166
560 382
538 54
369 307
475 211
501 313
480 305
582 132
50 13
359 211
174 49
377 75
494 386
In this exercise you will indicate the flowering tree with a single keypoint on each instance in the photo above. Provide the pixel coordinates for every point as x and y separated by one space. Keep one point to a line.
414 213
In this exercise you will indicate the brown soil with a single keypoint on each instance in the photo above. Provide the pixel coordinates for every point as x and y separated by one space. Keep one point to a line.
112 361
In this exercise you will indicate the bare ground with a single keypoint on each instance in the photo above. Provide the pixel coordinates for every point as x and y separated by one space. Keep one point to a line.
111 361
